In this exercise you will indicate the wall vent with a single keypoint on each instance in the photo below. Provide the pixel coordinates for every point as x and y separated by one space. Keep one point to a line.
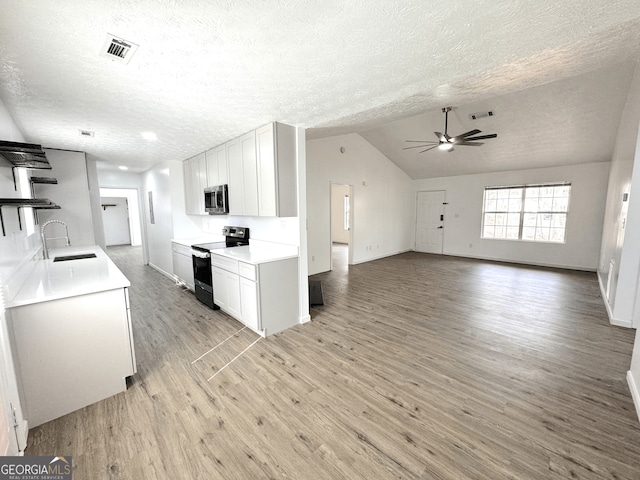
118 49
477 115
87 133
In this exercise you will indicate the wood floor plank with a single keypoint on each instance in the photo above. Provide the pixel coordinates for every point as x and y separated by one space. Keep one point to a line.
417 367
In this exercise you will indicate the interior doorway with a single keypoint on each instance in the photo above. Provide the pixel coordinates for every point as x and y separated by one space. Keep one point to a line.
115 218
121 217
341 221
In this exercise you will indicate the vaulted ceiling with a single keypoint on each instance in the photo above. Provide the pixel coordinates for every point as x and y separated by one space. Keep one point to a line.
556 75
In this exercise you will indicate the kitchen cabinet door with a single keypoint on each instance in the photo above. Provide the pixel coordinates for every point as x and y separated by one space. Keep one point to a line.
236 178
249 304
243 175
198 176
266 162
183 265
276 170
217 166
226 291
188 191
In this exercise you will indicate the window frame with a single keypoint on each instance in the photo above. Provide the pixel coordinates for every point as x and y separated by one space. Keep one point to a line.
522 212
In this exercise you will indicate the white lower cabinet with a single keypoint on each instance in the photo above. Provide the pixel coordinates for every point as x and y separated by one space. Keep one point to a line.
226 291
263 296
249 304
183 265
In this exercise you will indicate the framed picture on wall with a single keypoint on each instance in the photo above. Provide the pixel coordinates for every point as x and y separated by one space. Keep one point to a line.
152 219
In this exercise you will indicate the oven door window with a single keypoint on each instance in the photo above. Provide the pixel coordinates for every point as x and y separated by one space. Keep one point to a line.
202 270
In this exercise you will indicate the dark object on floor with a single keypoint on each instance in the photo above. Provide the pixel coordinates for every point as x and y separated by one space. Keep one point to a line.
315 293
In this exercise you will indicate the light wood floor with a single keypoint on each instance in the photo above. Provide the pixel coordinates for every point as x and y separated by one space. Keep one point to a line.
417 367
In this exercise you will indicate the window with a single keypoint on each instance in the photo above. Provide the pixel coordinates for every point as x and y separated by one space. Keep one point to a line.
534 213
346 210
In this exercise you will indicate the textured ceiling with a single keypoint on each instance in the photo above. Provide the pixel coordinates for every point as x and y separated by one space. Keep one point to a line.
209 70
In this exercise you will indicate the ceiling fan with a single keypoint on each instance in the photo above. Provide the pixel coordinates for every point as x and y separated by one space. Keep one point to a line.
446 142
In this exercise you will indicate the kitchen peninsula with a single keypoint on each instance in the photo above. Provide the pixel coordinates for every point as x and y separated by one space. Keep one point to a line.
71 335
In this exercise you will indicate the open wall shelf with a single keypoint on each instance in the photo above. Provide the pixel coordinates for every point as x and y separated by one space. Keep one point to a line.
35 203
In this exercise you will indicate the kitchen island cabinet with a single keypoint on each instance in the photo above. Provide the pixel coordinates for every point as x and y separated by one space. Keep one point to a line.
257 286
71 334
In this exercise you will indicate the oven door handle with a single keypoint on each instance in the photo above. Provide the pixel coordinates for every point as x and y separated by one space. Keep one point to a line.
199 254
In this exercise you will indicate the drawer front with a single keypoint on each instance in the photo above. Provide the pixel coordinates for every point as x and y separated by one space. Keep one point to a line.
181 249
247 270
225 263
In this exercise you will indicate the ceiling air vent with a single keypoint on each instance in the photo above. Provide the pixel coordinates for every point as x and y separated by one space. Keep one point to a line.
87 133
118 49
477 115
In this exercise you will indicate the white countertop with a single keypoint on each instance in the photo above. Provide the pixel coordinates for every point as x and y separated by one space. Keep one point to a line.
55 280
188 241
256 254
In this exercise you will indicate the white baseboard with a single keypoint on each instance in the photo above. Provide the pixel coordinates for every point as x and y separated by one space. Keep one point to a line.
166 274
378 257
521 262
635 393
305 318
612 320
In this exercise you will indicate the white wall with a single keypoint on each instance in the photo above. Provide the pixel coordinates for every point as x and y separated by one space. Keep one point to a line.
382 201
158 181
620 227
463 216
72 194
94 196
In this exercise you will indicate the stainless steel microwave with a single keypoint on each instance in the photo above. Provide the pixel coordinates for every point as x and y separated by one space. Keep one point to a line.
216 200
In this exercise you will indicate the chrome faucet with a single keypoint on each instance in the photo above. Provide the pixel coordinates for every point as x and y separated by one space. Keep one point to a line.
45 250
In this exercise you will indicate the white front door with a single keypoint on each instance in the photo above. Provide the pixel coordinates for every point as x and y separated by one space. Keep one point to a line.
430 221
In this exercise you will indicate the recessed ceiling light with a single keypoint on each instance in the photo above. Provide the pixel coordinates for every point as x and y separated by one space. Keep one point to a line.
122 167
149 136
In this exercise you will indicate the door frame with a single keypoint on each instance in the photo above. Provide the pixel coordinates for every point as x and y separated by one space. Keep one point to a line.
444 207
112 191
351 223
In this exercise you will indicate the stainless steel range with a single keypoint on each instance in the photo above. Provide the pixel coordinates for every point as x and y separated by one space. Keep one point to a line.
201 255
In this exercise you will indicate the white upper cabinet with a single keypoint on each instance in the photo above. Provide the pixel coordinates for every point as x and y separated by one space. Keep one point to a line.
277 171
195 183
259 167
243 176
217 166
188 190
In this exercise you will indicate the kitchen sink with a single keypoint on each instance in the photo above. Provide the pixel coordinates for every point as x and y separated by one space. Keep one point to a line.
74 257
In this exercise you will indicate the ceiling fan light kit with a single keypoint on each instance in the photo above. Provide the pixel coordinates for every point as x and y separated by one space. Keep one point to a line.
446 142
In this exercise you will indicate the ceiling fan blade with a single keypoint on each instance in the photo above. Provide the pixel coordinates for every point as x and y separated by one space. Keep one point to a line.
482 137
420 141
430 148
469 133
421 146
472 144
442 137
